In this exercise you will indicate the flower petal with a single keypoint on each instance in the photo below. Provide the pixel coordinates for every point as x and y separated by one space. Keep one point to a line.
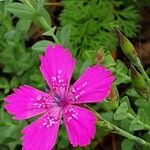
93 86
80 125
57 67
42 134
27 102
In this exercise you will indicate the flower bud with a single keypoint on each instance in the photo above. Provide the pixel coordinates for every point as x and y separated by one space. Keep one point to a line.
126 46
139 83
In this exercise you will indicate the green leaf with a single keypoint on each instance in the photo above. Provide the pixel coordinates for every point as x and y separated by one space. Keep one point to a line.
63 140
20 10
2 96
109 61
85 65
50 32
121 67
11 136
6 133
122 78
35 77
108 116
77 70
135 125
93 23
90 54
110 105
23 25
143 117
127 145
142 103
41 45
130 110
14 82
141 121
5 118
125 123
43 13
121 73
131 92
11 35
4 85
147 138
41 4
64 36
121 112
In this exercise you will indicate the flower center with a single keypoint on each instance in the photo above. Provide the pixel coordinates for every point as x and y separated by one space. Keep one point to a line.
60 101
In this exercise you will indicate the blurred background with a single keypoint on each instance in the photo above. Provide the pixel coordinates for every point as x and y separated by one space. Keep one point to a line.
87 28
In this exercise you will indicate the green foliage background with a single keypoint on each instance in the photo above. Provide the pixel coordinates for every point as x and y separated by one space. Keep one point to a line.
85 27
92 23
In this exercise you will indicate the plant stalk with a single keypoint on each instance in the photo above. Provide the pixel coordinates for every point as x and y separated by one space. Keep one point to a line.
124 133
118 130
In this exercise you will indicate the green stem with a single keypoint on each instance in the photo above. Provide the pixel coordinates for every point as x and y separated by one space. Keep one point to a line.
46 27
118 130
44 23
5 22
55 39
124 133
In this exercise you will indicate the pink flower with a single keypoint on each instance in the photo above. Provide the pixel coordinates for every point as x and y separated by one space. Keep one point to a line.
61 102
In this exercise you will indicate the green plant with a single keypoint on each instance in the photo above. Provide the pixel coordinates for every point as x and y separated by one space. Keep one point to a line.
125 111
92 23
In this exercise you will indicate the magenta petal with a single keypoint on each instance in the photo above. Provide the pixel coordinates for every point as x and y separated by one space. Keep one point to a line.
94 85
57 67
41 134
27 102
80 125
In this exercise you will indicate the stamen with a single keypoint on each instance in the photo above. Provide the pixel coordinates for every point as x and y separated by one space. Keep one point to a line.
49 121
42 102
59 83
78 91
71 114
59 71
